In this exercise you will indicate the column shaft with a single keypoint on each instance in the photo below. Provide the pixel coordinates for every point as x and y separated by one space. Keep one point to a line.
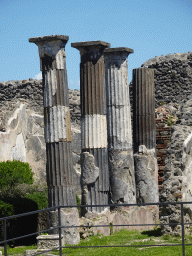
57 130
144 136
143 108
94 157
121 163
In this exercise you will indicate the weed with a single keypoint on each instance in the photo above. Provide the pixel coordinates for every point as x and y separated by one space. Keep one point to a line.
78 201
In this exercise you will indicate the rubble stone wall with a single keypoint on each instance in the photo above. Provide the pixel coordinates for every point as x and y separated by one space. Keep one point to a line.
22 126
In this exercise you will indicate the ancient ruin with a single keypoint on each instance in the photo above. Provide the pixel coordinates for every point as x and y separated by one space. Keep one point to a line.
22 128
94 156
121 163
144 140
57 127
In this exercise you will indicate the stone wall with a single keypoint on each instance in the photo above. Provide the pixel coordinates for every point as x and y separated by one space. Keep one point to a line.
163 137
173 87
22 126
177 185
173 77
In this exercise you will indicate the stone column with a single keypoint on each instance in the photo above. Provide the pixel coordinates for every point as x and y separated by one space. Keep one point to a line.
57 122
94 157
144 136
121 162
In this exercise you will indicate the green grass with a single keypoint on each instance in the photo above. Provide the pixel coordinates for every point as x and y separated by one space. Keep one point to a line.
20 250
123 237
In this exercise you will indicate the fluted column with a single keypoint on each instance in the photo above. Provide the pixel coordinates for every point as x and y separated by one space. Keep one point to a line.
121 162
94 157
56 119
144 136
57 131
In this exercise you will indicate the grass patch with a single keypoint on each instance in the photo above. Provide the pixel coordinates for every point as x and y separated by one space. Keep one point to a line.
19 250
123 237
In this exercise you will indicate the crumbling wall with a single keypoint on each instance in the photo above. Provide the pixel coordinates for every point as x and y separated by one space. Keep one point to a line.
173 77
173 87
22 126
177 184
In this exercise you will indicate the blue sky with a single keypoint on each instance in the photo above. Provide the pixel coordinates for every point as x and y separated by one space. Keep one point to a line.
150 27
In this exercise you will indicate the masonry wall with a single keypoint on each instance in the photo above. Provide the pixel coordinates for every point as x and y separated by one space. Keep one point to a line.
22 126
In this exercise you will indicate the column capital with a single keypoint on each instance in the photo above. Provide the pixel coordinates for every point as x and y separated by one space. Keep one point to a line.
52 47
89 46
118 50
48 38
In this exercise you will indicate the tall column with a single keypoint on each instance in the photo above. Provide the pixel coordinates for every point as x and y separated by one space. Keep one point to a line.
144 136
121 162
57 126
94 157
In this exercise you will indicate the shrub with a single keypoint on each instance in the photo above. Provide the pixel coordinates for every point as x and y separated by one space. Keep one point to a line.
6 209
19 195
40 198
15 172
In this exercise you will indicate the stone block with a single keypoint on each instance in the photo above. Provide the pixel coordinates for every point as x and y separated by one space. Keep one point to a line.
49 241
70 217
33 252
146 178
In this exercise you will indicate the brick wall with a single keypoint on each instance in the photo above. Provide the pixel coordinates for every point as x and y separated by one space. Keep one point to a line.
163 136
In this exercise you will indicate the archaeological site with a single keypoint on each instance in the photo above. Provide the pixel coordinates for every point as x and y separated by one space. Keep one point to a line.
112 142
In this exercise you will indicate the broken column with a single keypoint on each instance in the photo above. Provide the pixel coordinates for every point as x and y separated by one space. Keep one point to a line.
121 162
144 136
94 156
57 127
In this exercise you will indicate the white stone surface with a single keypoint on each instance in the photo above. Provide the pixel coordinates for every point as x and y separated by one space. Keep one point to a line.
56 130
94 131
187 177
118 102
15 136
18 152
50 87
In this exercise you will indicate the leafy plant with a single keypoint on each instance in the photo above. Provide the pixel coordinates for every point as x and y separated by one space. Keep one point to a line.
15 172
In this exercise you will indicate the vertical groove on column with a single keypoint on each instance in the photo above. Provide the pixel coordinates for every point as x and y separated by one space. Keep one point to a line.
55 92
143 108
144 135
60 180
93 124
118 115
121 163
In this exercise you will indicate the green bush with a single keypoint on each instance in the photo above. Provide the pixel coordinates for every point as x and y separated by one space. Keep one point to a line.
6 209
18 195
15 172
40 198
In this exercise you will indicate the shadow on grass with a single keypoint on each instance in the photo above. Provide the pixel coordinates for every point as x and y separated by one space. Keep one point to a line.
155 232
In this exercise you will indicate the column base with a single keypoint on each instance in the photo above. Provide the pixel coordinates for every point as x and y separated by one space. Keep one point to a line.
69 217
